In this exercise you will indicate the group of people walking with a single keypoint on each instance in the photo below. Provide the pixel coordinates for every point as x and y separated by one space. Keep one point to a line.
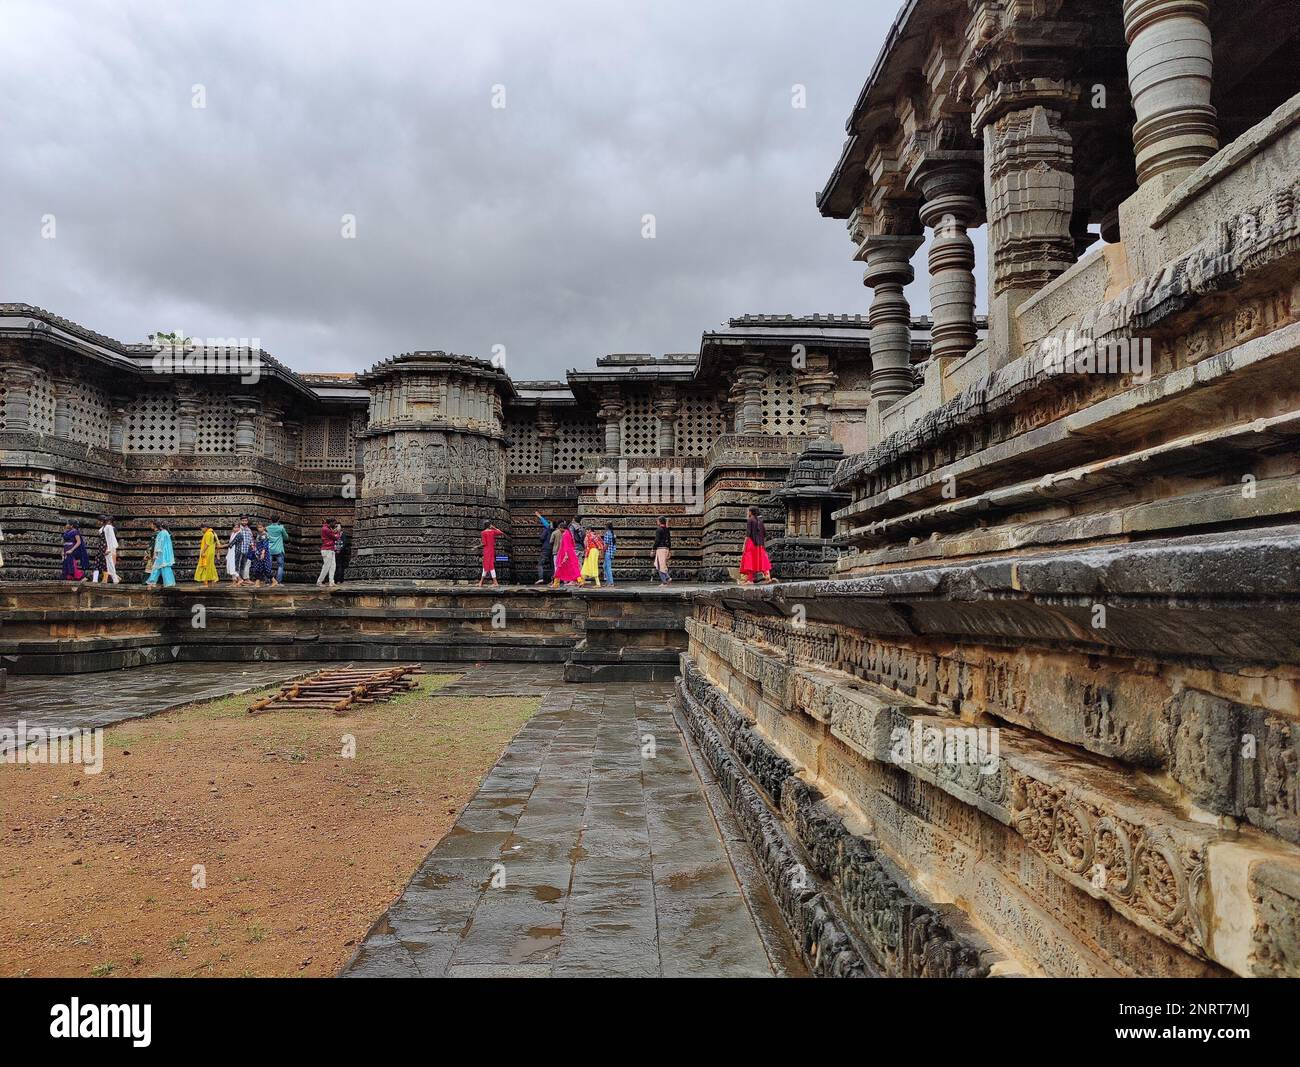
77 565
255 554
569 553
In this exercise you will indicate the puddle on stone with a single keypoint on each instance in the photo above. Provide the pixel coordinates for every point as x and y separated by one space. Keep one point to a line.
538 941
547 892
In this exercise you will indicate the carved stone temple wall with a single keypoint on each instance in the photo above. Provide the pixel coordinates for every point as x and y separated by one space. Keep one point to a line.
414 454
434 456
1044 719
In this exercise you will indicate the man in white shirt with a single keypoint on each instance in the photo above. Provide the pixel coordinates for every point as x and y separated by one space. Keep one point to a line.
109 535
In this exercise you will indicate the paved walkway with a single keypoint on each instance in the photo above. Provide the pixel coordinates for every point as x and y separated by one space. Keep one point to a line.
590 849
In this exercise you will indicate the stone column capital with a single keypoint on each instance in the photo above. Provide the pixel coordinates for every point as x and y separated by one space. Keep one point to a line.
889 258
951 184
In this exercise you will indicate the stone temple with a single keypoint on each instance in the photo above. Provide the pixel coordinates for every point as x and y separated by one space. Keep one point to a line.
1027 698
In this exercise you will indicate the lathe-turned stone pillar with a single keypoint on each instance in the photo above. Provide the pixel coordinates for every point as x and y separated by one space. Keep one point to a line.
611 414
1170 75
18 379
434 457
666 410
187 420
117 428
750 376
546 438
62 407
950 183
248 409
815 385
889 269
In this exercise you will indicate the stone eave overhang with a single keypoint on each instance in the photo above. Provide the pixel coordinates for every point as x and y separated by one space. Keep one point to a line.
142 357
28 322
23 322
873 111
436 362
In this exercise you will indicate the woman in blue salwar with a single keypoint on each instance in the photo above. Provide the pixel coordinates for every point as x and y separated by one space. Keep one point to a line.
163 557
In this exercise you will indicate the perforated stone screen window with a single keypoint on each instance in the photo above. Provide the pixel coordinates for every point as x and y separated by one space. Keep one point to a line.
40 412
215 427
782 405
578 437
524 455
701 424
151 424
88 414
4 395
342 443
639 427
311 447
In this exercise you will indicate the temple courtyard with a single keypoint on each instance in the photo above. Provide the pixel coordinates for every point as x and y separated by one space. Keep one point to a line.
576 833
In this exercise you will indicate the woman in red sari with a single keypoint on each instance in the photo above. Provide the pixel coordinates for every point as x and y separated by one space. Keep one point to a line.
754 561
567 566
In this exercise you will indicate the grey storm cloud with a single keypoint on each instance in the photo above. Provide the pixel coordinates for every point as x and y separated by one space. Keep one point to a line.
475 225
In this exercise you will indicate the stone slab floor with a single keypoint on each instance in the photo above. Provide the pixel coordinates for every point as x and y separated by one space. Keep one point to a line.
85 701
594 847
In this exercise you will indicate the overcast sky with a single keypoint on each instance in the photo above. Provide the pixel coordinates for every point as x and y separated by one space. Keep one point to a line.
475 225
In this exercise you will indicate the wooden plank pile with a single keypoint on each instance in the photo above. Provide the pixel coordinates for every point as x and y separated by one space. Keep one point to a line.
338 688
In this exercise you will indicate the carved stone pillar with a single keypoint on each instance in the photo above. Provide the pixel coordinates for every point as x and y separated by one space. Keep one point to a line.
611 413
248 410
815 384
950 182
889 269
187 420
18 379
546 437
62 407
1170 73
117 429
1029 167
665 407
293 442
732 408
750 376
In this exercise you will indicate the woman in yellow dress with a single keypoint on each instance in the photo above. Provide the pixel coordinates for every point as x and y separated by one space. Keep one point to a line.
591 560
206 571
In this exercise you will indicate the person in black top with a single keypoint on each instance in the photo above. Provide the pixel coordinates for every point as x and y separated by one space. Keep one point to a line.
663 550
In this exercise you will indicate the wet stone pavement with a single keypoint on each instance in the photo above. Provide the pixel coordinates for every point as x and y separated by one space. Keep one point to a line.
85 701
590 849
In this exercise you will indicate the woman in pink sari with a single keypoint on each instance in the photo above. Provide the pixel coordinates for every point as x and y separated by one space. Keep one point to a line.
567 566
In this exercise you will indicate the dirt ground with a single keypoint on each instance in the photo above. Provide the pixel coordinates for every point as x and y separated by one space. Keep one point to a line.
301 848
